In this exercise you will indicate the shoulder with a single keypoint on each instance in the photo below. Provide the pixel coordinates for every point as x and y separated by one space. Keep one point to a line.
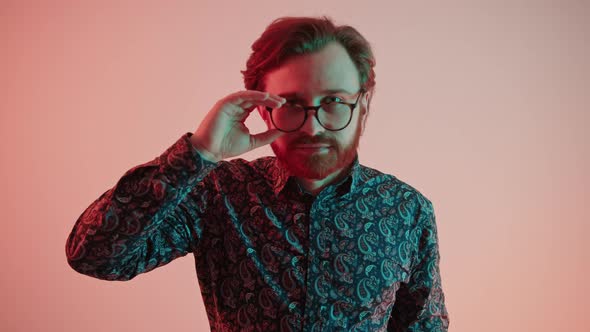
240 169
370 177
390 186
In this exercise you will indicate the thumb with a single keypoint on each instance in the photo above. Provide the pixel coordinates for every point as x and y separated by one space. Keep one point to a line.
264 138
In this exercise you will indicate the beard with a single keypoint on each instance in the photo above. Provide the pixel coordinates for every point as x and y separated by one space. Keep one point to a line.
317 165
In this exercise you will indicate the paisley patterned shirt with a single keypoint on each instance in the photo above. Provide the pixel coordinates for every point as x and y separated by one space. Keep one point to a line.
362 255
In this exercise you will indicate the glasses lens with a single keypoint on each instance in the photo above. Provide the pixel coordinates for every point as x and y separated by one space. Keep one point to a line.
289 117
334 115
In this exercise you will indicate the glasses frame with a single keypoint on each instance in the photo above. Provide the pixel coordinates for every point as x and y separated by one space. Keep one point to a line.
316 109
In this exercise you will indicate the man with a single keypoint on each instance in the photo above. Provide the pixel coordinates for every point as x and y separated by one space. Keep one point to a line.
308 241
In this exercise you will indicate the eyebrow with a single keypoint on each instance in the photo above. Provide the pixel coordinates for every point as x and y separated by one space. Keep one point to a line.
298 96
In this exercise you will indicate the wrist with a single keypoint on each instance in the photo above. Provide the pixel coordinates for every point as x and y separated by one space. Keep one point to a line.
201 150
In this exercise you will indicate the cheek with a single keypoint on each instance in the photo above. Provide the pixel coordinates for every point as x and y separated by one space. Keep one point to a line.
348 135
280 142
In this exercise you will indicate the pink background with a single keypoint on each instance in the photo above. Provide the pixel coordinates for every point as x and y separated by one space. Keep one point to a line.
481 105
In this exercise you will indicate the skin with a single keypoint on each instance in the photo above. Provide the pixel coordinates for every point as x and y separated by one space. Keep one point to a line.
223 134
315 156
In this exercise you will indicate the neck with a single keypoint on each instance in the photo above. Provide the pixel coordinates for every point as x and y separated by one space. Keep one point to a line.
315 186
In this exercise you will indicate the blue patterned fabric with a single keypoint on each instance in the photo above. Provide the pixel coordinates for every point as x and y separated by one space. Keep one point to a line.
362 255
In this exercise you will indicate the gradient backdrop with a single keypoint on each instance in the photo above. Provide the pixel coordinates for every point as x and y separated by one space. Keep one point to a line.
481 105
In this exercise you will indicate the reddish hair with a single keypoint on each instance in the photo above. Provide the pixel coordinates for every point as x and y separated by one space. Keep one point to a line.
287 37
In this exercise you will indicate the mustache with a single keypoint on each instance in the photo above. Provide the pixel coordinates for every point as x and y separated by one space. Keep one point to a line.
318 139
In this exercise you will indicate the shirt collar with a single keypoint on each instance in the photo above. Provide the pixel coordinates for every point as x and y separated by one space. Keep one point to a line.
279 177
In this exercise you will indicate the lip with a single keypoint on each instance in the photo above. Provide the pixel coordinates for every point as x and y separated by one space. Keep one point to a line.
312 146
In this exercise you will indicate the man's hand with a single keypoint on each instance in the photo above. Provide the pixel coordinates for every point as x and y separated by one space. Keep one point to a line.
223 134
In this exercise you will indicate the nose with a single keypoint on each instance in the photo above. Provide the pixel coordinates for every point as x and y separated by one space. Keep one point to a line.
311 126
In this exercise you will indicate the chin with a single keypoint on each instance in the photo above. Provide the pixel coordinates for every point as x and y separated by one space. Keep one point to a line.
315 167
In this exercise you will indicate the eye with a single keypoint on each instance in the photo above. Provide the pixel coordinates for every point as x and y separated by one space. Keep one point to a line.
332 99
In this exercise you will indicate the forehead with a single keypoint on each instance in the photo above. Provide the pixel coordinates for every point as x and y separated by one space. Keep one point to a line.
331 68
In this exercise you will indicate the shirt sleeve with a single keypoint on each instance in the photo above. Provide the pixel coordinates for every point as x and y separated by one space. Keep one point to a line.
420 303
153 215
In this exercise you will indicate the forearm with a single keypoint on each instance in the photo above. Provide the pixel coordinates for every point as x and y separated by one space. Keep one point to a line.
146 220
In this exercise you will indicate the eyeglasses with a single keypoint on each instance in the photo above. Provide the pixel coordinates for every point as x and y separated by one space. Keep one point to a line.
332 115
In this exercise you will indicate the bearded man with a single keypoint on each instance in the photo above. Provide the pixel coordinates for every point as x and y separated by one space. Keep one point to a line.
308 240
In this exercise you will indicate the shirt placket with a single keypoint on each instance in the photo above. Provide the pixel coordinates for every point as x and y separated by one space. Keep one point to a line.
315 314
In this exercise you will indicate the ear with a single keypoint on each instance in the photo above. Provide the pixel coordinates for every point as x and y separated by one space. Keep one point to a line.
364 109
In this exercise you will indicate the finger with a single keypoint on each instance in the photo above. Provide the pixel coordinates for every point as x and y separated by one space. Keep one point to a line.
250 105
252 96
264 138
